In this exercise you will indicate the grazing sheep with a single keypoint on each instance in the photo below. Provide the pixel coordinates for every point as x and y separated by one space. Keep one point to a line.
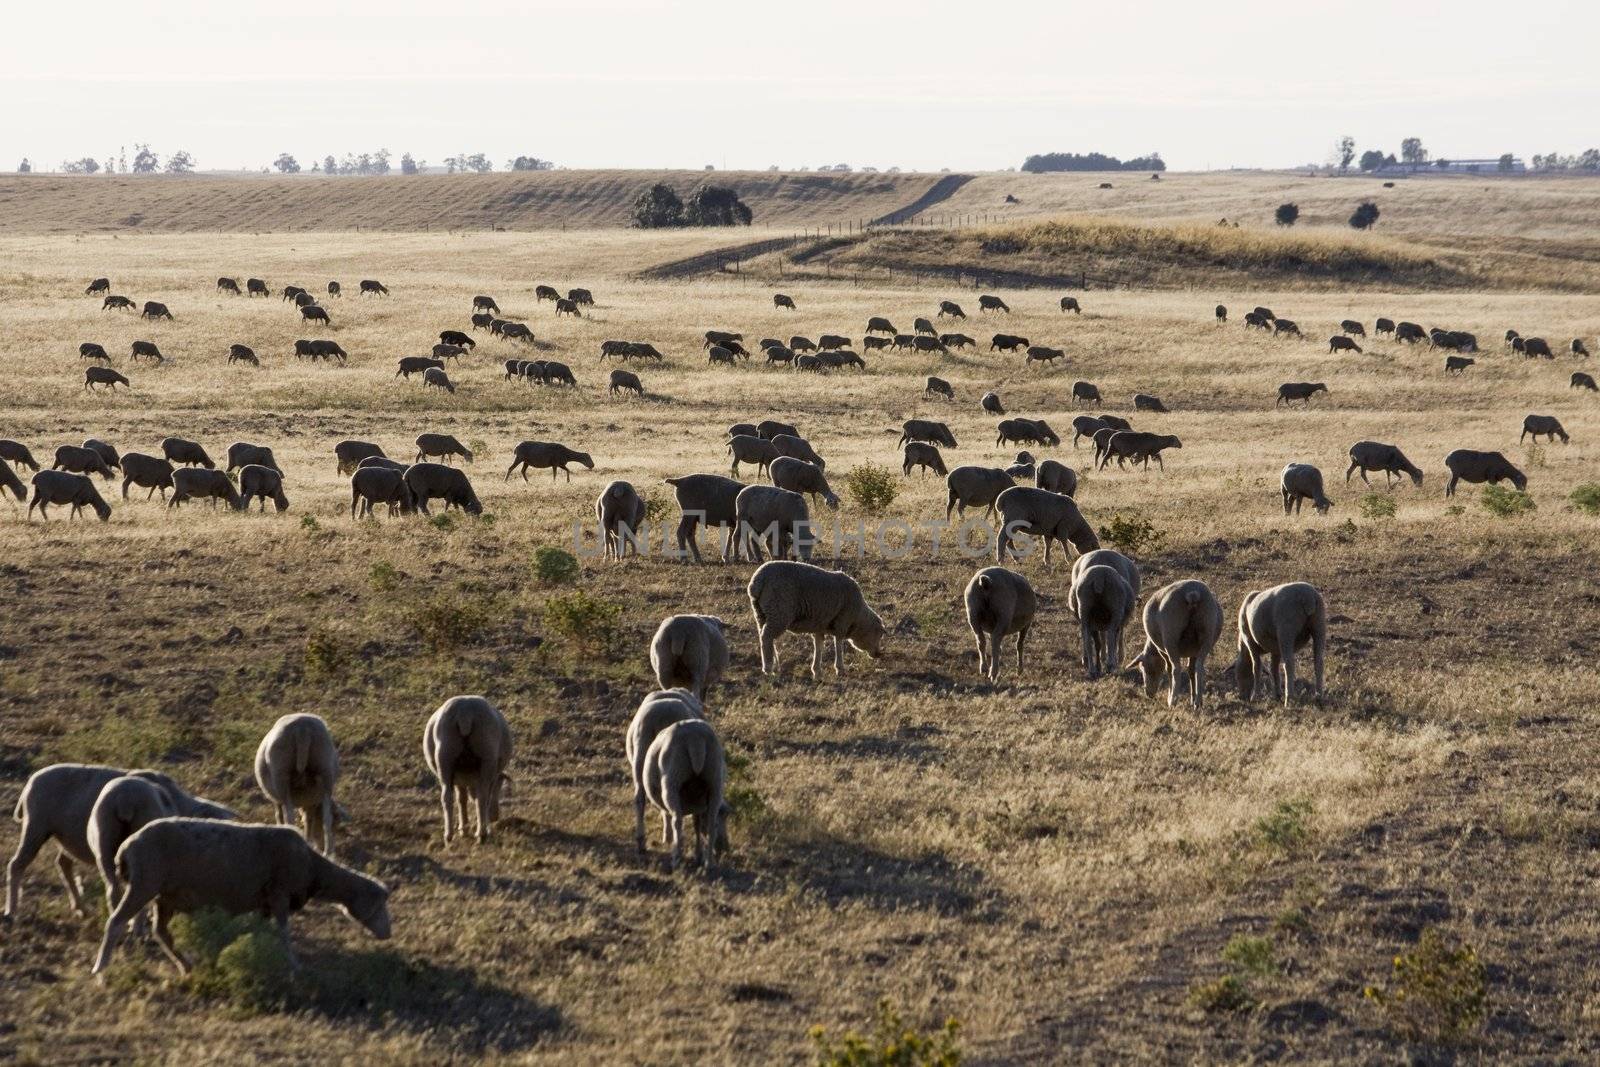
466 745
114 301
1019 431
242 454
385 462
335 289
1137 445
769 429
1146 402
799 476
832 342
992 303
1467 465
787 596
1070 303
80 460
1288 326
874 344
1383 326
939 387
456 337
742 429
262 483
1578 348
975 487
9 480
581 297
351 453
559 374
951 308
243 354
93 376
154 309
1006 342
921 454
409 365
720 337
1222 313
536 455
1000 603
779 300
1289 392
371 287
431 481
99 285
718 354
1042 354
929 344
18 453
1537 347
188 453
924 327
710 499
1302 482
1109 557
370 486
485 303
1409 332
1277 622
797 447
313 313
690 651
1252 321
779 354
1056 477
443 351
619 511
146 350
757 450
1340 343
656 712
685 773
991 404
1025 466
957 340
443 445
1547 426
1101 439
1103 603
878 324
195 483
1026 509
1086 392
1374 456
1353 327
256 287
147 472
777 518
297 768
90 350
1086 426
1581 380
127 804
184 865
1457 364
622 380
904 341
1181 623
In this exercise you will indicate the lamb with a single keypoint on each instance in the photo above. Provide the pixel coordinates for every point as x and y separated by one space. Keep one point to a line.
619 511
1383 326
757 450
241 454
768 429
1289 392
441 444
991 404
1581 380
787 596
656 712
1109 557
1457 364
685 772
710 499
1222 313
976 487
690 651
1055 477
1043 354
56 804
1103 603
351 453
623 380
1000 603
187 864
1374 456
1146 402
1138 446
535 455
128 803
1467 465
1547 426
1301 482
921 454
718 354
191 483
189 453
297 768
93 376
936 433
262 483
1578 348
1085 426
63 487
466 745
1025 467
81 461
374 485
435 481
1086 392
775 517
1025 509
16 452
438 379
1181 622
91 350
1277 622
798 476
939 387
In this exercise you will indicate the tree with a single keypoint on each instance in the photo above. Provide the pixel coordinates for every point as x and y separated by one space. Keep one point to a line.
1506 162
330 165
286 164
657 207
1287 214
86 165
1588 159
716 205
1058 161
530 163
380 161
1412 152
110 165
25 167
181 162
1347 151
144 160
1371 160
407 164
1366 216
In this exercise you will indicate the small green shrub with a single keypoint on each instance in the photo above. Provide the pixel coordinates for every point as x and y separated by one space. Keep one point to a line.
1134 535
1251 955
384 576
1229 993
871 487
1506 503
1586 498
588 623
444 522
1284 828
309 523
656 510
1378 506
326 652
1438 993
891 1044
444 623
554 566
237 958
1455 511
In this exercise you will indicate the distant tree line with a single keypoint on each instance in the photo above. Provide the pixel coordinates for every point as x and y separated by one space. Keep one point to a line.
1055 161
659 207
144 162
1588 159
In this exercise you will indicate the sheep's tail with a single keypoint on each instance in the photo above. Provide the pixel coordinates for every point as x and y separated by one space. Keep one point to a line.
758 585
1192 597
465 724
699 751
17 812
302 752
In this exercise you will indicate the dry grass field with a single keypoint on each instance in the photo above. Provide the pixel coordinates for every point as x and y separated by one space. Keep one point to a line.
1068 868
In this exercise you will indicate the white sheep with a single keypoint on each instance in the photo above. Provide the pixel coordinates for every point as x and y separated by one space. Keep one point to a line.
466 745
656 712
685 772
1000 602
1103 603
690 651
123 807
1181 622
1276 622
297 768
1108 557
785 595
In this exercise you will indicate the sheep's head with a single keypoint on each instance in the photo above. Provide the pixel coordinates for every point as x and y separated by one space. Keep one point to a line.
1152 668
369 906
868 635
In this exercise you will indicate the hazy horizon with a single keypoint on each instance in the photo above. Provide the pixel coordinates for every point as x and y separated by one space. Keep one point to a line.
622 84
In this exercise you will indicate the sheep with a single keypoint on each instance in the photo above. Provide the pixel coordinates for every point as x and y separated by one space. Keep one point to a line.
1547 426
1086 425
191 483
1108 557
1000 603
719 337
443 445
939 387
685 773
297 768
90 350
1101 439
1146 402
927 430
1375 456
757 450
183 865
767 429
811 364
1103 603
124 806
1043 354
1181 622
798 448
619 512
922 343
351 453
991 404
1277 622
956 340
1578 348
409 365
1026 509
263 483
775 517
1289 392
9 480
1070 303
370 486
1301 482
787 596
878 324
581 297
438 379
154 309
1138 446
1221 312
56 804
93 376
951 308
1022 431
1467 465
921 454
64 487
622 381
535 455
832 342
710 499
690 651
456 337
18 453
1457 364
1536 347
1581 380
241 454
718 354
656 712
146 350
973 486
874 344
1025 467
1286 326
1353 327
79 460
1408 332
189 453
466 745
1086 392
99 285
798 476
1056 477
1340 343
992 303
924 327
430 481
1383 326
779 354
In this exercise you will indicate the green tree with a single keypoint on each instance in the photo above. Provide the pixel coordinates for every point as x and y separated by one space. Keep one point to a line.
1287 214
1371 160
408 165
1412 152
1365 217
380 161
180 162
1347 151
716 205
286 164
1504 165
330 165
657 207
144 160
530 163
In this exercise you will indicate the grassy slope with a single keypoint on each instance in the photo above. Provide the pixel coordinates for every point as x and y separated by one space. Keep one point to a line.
1053 861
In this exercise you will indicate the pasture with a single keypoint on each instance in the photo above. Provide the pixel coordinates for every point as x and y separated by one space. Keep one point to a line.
1057 863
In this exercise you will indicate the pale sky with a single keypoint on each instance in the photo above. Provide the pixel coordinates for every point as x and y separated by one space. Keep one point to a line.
626 83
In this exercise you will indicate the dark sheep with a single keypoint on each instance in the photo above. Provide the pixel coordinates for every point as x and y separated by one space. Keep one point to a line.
146 350
567 307
1352 327
9 480
93 376
991 404
188 453
351 453
371 287
18 453
1043 354
921 454
444 351
625 381
1467 465
1139 446
313 313
262 483
710 499
973 486
923 343
926 430
992 303
832 342
1055 477
1409 332
924 327
437 378
193 483
536 455
1581 380
243 454
99 285
147 472
90 350
1070 303
1383 326
243 354
872 344
1375 456
780 354
442 445
371 486
482 321
879 324
292 292
1578 348
1340 343
1288 326
1086 392
770 428
115 301
956 340
1146 402
1457 364
409 365
256 287
581 297
80 460
1546 426
228 285
950 308
456 337
154 309
484 303
304 299
335 289
1222 313
939 387
62 487
1537 347
1006 342
542 293
435 481
1289 392
779 300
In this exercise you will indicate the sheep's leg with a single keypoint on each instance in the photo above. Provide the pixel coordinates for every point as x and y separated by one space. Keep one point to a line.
769 650
666 828
816 656
638 818
1197 684
484 799
1175 675
133 902
1022 637
983 653
69 878
27 848
676 817
325 818
1088 646
164 939
1286 658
